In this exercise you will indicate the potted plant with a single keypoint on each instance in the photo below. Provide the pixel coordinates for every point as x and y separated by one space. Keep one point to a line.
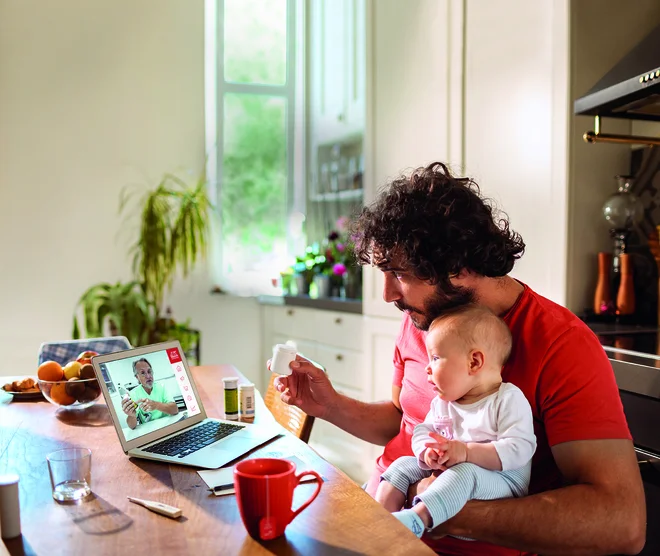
123 309
174 227
306 267
331 265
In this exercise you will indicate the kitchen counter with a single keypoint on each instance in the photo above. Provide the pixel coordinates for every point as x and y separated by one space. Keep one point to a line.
622 341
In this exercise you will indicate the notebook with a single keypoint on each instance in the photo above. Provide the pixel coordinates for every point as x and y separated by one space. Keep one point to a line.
158 414
221 481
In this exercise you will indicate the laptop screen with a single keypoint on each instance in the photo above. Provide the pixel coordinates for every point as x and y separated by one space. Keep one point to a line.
149 392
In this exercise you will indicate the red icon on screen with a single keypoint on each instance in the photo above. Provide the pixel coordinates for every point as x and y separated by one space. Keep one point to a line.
174 355
193 408
178 368
182 378
185 388
190 397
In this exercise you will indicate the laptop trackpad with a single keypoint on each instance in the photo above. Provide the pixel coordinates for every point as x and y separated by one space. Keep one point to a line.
232 444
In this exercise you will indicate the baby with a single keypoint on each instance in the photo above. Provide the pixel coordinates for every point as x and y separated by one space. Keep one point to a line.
478 435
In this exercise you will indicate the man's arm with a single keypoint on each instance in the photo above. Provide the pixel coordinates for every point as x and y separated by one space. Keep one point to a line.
376 422
601 512
310 389
169 408
148 404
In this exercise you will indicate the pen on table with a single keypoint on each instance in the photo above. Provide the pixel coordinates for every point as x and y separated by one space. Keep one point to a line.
220 488
157 507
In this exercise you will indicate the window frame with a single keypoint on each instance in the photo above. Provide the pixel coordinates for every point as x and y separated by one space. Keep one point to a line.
292 91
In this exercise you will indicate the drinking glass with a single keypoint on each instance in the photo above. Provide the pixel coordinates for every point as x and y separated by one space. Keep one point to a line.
70 473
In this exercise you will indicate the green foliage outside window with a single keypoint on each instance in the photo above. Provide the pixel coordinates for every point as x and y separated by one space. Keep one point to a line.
253 190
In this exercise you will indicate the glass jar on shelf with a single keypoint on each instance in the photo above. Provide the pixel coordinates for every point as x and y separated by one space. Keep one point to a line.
622 210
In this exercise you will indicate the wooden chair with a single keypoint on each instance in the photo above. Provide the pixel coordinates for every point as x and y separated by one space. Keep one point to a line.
292 418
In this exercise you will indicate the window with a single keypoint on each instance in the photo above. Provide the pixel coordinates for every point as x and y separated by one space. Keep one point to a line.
254 123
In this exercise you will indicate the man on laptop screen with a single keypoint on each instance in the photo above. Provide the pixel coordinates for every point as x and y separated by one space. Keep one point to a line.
149 400
158 414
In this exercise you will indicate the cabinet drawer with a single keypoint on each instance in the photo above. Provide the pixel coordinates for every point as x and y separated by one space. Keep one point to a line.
339 329
293 322
343 366
350 454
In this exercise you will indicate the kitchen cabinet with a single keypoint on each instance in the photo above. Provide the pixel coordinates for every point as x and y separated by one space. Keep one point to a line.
337 70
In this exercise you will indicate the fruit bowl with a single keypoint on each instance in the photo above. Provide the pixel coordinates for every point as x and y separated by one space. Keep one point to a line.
75 393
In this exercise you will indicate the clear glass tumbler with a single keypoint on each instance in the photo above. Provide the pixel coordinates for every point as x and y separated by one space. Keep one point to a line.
70 473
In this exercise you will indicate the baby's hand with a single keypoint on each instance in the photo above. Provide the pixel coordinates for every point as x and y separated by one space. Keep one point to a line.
431 457
451 452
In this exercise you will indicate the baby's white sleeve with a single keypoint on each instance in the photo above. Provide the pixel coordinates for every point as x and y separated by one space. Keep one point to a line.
516 441
421 436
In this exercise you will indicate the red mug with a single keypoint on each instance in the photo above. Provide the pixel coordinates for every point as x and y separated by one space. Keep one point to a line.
264 490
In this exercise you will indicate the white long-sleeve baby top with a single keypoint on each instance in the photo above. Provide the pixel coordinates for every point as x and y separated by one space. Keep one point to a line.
503 418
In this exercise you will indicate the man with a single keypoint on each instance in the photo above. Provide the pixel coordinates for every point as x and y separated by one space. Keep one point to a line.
440 245
148 401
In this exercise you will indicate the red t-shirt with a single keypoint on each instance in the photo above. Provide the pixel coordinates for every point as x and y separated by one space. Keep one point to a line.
561 368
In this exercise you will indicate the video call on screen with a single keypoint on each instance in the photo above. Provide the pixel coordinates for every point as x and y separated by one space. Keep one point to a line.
171 384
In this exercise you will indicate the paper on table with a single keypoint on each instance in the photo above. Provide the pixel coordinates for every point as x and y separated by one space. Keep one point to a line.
225 475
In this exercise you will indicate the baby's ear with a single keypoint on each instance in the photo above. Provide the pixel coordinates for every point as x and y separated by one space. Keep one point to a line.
477 360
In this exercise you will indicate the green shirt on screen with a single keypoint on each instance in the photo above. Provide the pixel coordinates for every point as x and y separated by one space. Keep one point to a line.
158 394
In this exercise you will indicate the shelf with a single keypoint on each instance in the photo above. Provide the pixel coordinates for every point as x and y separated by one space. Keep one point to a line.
345 195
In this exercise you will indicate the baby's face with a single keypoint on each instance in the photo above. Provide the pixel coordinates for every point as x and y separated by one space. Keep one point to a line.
448 367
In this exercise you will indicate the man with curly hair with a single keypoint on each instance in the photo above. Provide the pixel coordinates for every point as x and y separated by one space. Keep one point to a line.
441 245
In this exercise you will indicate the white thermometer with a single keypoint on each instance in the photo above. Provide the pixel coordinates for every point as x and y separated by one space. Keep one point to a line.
158 507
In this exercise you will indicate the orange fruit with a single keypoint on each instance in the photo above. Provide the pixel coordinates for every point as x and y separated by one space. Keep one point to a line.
59 394
50 370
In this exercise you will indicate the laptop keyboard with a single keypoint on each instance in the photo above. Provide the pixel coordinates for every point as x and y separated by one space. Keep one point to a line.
192 440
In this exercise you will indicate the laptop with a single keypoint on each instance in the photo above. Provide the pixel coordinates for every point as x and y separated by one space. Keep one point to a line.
177 430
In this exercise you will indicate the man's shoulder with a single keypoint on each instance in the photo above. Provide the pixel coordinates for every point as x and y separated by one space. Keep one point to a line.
544 320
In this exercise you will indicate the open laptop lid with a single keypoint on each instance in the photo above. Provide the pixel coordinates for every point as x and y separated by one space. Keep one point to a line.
169 382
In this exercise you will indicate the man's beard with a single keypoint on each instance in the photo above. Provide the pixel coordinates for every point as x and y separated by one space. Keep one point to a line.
446 297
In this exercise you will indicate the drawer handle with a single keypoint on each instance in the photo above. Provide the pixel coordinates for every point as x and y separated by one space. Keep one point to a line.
339 357
338 320
289 312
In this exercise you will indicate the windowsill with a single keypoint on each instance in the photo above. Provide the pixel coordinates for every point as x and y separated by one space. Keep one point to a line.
325 304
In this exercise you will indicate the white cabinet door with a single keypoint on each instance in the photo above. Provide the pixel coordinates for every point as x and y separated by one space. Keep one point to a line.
328 45
379 339
347 452
337 68
380 335
356 66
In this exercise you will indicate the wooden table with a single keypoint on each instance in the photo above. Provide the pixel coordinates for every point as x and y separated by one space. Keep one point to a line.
343 519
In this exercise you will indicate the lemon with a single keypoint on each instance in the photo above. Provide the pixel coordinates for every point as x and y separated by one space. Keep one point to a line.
72 370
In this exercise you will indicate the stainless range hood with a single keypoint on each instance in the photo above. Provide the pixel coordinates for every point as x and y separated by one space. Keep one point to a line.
631 89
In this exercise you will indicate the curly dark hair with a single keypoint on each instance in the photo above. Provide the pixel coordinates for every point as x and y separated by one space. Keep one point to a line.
439 225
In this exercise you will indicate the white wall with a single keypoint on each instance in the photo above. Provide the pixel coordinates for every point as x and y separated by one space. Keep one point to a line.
94 96
414 52
516 107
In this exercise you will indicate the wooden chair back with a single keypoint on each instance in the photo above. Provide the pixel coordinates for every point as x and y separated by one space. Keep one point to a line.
292 418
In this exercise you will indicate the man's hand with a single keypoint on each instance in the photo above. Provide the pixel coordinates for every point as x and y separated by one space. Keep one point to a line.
308 388
128 407
149 405
451 452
